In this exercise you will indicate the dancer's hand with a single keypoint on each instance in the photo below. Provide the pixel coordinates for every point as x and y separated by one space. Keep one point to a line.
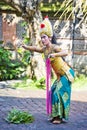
51 55
23 45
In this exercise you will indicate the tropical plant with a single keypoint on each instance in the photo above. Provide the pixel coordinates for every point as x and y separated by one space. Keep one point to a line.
10 69
73 6
64 9
17 116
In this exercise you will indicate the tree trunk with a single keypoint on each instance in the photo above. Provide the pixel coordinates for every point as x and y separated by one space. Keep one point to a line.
37 64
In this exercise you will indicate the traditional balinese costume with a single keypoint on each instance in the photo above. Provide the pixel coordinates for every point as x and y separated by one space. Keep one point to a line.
61 88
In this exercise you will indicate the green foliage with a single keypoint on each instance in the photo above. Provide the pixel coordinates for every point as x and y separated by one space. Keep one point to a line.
39 83
1 42
63 9
80 82
49 6
32 84
12 69
26 58
26 40
16 116
55 9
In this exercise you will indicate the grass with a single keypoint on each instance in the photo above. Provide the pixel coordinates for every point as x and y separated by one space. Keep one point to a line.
30 84
79 83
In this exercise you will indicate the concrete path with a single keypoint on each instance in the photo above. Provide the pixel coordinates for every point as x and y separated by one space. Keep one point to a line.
34 103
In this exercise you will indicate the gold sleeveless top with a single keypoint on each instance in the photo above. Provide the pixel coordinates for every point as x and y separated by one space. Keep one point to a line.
61 68
59 65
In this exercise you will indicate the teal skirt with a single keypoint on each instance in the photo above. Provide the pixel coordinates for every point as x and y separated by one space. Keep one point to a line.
60 97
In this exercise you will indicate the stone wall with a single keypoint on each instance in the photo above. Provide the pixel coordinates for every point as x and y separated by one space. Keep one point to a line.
64 32
1 28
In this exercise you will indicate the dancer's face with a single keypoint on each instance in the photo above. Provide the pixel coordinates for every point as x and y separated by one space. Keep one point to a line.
45 39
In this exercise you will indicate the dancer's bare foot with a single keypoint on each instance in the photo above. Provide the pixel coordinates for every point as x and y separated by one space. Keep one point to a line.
56 120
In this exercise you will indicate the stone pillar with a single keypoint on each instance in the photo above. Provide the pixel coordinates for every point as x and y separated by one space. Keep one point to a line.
1 28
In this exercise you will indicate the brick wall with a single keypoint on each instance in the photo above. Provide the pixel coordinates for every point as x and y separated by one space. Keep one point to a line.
9 30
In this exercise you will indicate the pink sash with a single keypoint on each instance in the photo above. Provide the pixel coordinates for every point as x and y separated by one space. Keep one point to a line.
48 86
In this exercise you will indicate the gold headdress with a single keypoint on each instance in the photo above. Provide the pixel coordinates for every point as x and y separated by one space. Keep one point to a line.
46 27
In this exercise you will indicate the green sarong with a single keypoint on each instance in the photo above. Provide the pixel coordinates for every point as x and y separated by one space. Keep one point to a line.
60 94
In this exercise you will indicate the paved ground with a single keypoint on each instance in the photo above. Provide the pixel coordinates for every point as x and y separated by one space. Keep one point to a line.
34 102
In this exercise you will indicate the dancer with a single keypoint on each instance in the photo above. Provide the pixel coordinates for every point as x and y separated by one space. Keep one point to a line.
61 88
